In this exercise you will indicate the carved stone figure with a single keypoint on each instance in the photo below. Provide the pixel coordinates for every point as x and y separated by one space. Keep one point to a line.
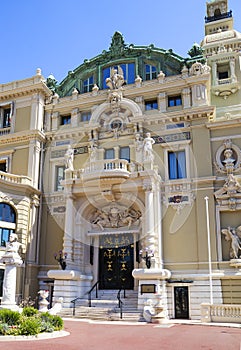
93 150
139 148
114 217
147 148
13 245
231 186
229 161
69 158
116 79
11 259
234 236
101 219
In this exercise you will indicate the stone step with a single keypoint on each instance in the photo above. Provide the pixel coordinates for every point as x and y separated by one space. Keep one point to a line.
102 313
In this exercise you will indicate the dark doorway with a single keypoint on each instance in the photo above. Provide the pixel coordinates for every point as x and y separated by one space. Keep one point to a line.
181 302
116 262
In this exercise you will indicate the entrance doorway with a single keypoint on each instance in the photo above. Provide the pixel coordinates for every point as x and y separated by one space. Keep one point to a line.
116 261
181 302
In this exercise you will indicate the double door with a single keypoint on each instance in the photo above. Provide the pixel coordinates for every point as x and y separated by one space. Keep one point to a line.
116 254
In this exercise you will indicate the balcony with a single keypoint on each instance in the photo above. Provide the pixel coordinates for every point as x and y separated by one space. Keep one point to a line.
218 17
107 171
225 87
15 179
5 131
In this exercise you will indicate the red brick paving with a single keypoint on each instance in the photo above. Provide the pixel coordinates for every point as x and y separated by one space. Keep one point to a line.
93 336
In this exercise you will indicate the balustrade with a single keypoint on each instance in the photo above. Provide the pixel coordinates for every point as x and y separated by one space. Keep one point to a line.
16 179
221 313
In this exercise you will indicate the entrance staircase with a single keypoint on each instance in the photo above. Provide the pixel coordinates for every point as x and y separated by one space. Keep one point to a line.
106 307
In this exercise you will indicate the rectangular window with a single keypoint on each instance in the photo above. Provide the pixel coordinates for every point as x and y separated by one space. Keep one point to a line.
150 72
150 105
85 116
177 165
4 235
88 84
59 176
110 153
128 71
174 101
125 153
223 71
3 165
65 119
6 117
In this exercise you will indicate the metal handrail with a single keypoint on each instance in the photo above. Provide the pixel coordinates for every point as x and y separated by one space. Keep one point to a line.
91 290
120 302
74 303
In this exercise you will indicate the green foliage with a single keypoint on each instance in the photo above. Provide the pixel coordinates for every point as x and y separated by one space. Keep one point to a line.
30 326
9 317
54 320
30 322
4 329
47 327
29 311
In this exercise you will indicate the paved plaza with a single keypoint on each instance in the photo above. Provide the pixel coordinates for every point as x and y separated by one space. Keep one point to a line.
121 336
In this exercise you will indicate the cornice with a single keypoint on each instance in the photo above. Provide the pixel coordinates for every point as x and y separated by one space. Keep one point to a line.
25 87
23 136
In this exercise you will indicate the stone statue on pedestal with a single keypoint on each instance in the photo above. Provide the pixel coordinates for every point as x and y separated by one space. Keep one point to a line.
11 259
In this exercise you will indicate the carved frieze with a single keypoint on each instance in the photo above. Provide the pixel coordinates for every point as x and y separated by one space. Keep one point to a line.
115 216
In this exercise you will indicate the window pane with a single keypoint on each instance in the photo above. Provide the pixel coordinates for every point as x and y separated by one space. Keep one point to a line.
7 117
65 119
177 165
172 165
4 235
109 153
181 165
106 74
149 105
60 175
7 213
125 153
131 73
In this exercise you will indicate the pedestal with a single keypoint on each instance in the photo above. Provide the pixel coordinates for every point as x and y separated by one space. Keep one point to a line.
152 292
69 284
11 261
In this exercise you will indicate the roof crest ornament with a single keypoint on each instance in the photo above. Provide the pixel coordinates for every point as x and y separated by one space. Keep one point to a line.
117 45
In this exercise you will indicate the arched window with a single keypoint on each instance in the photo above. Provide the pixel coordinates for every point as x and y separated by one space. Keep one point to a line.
7 222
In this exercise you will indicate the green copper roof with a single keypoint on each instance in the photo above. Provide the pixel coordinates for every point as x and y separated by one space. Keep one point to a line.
120 53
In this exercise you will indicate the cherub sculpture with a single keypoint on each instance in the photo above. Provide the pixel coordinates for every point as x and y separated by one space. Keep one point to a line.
233 235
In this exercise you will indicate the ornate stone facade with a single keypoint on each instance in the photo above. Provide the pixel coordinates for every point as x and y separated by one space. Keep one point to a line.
116 160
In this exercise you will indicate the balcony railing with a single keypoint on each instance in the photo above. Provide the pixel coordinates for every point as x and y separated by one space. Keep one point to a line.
15 179
221 313
107 165
5 131
225 81
218 17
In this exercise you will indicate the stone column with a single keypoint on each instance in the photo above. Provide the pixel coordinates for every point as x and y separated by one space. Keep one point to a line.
158 224
162 103
214 71
186 95
69 230
150 238
232 70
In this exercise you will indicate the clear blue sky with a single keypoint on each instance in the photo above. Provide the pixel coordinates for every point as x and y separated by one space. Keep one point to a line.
57 35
